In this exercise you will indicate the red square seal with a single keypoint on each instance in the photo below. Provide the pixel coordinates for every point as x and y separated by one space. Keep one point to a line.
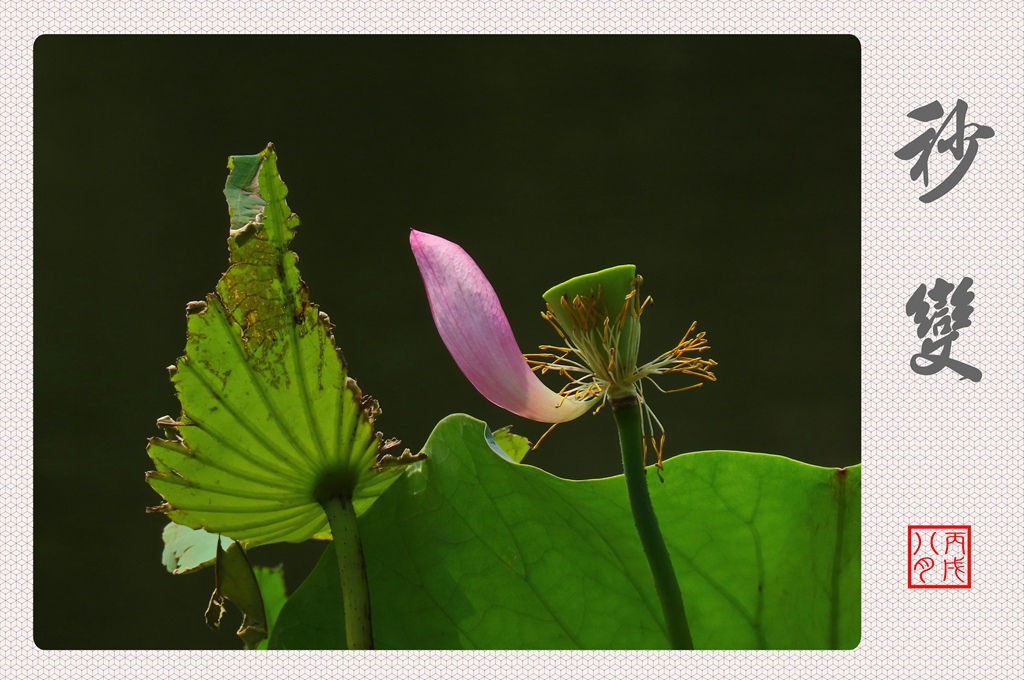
938 556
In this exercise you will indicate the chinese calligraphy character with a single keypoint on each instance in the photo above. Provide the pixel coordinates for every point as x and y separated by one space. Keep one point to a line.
926 549
923 145
955 538
941 315
957 564
923 566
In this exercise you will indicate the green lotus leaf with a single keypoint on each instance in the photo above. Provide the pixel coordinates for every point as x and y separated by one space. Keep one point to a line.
271 424
272 591
187 550
483 553
311 619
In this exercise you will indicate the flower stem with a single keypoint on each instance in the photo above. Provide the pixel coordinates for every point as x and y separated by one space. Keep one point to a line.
352 569
628 420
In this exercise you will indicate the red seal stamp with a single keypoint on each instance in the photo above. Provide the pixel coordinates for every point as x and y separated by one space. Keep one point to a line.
938 556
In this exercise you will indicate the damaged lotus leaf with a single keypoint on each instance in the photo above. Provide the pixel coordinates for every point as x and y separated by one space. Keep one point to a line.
271 424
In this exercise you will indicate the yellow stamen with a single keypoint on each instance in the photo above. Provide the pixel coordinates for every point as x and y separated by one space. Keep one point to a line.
549 316
599 358
621 318
682 389
660 448
534 447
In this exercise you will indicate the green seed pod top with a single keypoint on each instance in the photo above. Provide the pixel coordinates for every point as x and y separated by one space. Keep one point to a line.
599 313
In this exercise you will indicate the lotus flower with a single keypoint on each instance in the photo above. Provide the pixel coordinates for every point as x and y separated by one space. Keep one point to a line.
597 315
476 332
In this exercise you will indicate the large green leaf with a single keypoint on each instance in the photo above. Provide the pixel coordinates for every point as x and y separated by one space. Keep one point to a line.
271 424
312 617
477 552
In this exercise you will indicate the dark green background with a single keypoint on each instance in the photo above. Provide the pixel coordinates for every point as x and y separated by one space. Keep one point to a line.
726 168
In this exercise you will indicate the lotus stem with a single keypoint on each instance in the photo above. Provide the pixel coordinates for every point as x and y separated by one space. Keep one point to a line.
628 417
352 568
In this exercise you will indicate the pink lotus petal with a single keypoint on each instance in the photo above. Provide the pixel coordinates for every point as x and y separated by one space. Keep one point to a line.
473 326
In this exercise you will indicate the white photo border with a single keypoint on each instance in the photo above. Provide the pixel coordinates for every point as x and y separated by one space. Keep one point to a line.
935 450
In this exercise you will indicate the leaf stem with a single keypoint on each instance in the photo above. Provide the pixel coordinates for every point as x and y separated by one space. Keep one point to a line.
628 421
352 569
